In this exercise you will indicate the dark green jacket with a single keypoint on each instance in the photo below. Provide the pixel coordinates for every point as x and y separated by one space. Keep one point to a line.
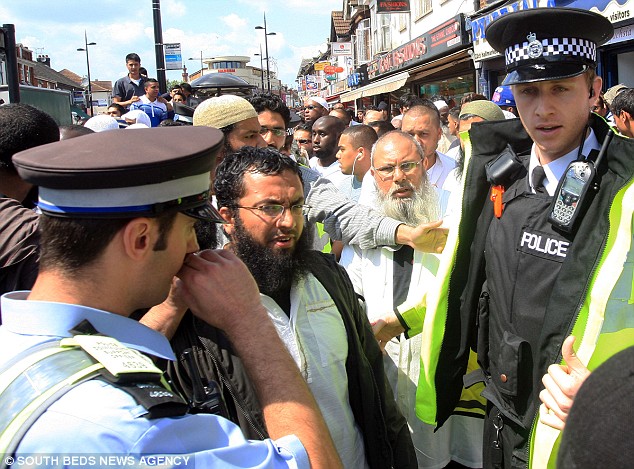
385 432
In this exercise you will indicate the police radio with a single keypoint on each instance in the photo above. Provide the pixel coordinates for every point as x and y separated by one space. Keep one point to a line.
574 189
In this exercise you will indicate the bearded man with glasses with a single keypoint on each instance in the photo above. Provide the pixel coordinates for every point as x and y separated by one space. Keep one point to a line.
315 310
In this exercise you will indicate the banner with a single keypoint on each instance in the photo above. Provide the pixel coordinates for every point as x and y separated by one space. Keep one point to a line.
173 57
392 6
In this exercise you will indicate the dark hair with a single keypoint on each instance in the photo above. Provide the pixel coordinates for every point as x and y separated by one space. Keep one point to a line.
147 82
229 183
624 101
70 244
187 87
467 98
143 71
427 107
172 123
118 107
175 87
73 130
263 101
134 57
23 127
455 113
409 100
180 94
361 135
308 126
381 127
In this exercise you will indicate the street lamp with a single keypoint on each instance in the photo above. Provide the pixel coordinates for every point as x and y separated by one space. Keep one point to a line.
261 66
81 49
201 62
266 46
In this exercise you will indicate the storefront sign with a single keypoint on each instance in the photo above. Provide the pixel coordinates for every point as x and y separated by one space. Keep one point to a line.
319 66
481 48
615 11
392 6
226 70
435 43
626 33
341 48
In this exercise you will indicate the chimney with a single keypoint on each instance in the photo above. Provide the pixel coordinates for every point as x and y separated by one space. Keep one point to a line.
44 59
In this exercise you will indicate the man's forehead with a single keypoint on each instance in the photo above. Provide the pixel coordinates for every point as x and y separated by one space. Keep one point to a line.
250 124
396 148
263 185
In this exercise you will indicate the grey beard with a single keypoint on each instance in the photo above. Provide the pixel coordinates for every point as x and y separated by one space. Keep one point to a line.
422 207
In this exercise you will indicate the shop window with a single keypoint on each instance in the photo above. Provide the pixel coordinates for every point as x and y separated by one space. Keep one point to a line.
450 89
362 43
421 8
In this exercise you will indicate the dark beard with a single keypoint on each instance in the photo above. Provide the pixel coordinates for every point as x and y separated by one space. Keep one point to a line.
206 234
274 271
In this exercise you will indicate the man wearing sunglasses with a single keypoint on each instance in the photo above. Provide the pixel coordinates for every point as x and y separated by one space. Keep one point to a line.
314 108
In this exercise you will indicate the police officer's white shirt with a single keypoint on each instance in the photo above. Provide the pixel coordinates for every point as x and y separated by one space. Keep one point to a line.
556 169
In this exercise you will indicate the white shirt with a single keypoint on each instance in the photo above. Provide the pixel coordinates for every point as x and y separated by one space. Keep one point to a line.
315 336
372 274
556 169
332 172
438 172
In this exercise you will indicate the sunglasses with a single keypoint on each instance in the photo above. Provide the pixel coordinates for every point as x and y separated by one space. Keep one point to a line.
302 141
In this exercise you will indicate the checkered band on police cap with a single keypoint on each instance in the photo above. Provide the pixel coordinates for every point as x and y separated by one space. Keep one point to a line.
567 46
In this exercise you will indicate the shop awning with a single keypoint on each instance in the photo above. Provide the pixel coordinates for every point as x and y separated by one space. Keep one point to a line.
386 85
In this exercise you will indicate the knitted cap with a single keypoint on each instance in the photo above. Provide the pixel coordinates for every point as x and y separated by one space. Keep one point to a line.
486 109
611 93
222 111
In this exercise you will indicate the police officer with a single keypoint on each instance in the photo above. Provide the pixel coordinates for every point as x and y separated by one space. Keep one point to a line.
114 233
530 273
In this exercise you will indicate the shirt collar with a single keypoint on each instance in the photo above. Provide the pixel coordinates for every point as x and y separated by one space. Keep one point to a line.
44 318
556 169
435 171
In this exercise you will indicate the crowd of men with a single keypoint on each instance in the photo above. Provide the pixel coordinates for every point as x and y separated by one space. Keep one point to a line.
245 289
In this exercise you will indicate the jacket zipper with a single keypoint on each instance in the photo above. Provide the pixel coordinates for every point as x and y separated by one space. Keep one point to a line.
227 385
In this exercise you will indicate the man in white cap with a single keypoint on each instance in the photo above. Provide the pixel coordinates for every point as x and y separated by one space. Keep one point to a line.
447 138
314 108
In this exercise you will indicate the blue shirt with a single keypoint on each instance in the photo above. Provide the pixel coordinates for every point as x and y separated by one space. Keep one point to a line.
96 418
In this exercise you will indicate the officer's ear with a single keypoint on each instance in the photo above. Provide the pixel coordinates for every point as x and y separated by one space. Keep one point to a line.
138 237
227 215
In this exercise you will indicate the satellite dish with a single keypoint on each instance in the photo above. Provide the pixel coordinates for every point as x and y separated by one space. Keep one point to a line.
84 82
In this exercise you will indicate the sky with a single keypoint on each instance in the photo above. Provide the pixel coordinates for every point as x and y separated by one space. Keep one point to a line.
215 27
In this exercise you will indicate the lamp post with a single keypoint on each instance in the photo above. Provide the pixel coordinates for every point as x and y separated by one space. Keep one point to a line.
81 49
201 62
261 67
266 46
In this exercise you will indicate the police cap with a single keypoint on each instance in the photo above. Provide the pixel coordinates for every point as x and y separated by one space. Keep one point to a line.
125 174
548 43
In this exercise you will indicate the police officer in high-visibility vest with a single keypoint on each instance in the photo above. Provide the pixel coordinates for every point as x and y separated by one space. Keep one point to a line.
77 386
543 249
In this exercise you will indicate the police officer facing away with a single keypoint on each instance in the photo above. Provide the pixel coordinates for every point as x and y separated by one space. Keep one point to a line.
114 233
536 254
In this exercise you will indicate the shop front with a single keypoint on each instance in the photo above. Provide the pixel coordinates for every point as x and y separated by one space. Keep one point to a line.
435 63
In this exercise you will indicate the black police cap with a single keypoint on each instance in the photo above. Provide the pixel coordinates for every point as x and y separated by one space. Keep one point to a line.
548 43
123 174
